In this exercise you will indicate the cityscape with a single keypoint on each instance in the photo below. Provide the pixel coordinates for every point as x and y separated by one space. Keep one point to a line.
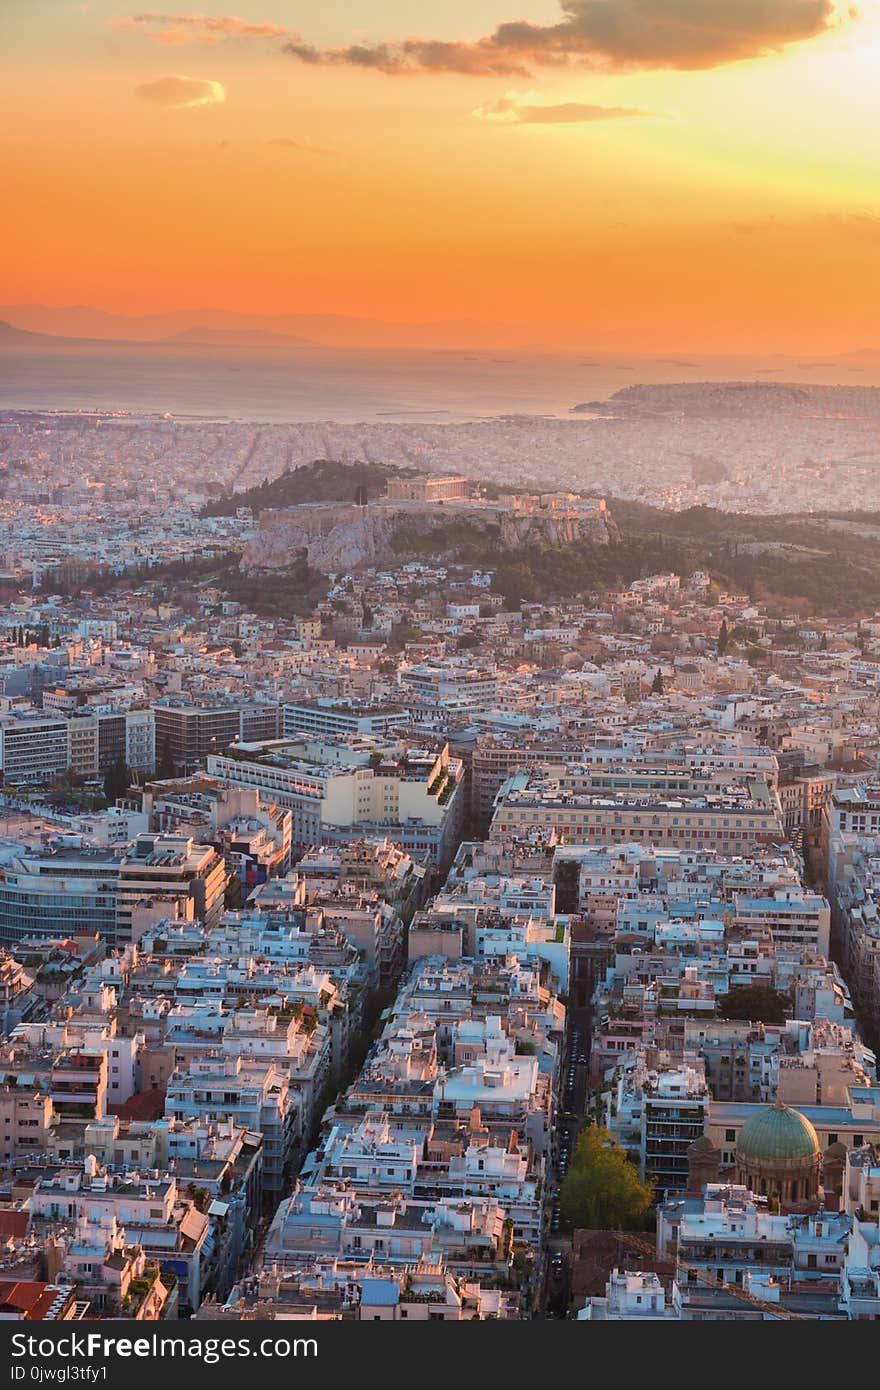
440 841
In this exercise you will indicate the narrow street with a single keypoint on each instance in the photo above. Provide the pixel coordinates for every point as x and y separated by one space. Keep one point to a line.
574 1096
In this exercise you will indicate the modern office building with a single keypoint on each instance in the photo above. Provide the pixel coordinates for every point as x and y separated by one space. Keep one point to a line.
57 892
740 818
414 797
190 732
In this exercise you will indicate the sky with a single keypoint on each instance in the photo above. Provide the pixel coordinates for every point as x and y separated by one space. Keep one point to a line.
638 175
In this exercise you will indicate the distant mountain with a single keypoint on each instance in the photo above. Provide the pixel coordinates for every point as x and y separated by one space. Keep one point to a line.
10 336
238 337
734 399
20 337
328 330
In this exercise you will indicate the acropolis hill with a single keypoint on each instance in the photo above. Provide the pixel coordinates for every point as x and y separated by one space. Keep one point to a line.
338 536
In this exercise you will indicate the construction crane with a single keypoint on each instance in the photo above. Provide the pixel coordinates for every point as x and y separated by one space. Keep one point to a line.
774 1310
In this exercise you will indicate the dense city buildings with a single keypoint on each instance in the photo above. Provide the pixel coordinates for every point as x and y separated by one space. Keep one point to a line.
331 936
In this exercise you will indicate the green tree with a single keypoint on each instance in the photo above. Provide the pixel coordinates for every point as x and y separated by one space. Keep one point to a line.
117 779
602 1189
723 637
755 1004
657 683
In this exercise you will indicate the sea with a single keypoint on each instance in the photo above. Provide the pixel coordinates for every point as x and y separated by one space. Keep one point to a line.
279 384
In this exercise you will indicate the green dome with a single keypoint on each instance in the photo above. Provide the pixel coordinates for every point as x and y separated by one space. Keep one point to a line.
777 1134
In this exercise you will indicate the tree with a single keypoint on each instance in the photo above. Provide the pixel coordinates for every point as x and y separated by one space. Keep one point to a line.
755 1004
117 779
602 1190
723 637
657 683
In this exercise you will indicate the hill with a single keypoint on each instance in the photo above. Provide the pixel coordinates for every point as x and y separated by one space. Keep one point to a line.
342 331
21 337
818 564
325 480
823 564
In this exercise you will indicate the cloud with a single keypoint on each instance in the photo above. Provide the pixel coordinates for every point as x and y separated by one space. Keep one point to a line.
181 92
866 222
516 108
857 224
684 34
173 30
286 142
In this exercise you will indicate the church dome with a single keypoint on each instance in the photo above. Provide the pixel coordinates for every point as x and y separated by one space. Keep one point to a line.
776 1134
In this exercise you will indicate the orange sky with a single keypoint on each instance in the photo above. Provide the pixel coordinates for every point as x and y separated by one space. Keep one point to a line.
616 190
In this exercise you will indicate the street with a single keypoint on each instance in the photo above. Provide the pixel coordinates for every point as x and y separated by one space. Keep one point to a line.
574 1098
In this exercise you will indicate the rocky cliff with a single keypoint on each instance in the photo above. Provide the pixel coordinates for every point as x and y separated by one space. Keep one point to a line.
344 537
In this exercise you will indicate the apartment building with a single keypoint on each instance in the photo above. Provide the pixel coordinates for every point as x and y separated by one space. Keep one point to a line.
850 844
449 685
160 869
255 1094
26 1120
656 1110
795 917
338 719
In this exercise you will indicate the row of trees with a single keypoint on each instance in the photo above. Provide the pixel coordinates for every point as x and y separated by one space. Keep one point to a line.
24 636
118 778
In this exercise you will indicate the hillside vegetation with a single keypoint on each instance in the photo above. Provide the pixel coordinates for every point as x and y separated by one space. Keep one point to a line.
325 480
822 565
